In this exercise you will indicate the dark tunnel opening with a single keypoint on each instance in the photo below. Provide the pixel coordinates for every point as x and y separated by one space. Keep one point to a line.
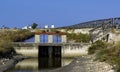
49 57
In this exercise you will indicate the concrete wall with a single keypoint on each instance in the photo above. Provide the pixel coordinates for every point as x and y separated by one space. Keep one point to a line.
68 50
27 51
75 50
113 37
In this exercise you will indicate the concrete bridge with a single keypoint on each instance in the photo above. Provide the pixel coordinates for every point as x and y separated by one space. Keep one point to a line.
51 49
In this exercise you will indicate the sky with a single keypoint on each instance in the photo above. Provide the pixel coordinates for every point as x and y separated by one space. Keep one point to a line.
19 13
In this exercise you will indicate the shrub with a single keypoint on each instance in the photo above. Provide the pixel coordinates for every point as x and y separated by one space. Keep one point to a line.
97 46
110 55
7 37
78 37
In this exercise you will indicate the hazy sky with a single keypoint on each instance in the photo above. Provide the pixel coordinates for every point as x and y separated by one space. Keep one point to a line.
18 13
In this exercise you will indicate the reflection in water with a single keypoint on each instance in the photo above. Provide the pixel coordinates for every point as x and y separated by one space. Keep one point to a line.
49 63
39 65
27 65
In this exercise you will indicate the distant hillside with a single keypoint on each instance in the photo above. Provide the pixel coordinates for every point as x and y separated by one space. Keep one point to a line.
96 23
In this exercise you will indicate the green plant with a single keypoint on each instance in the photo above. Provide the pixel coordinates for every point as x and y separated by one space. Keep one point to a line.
78 37
97 46
110 55
7 37
34 25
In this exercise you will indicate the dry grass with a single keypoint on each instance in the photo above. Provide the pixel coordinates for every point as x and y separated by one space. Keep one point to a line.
6 37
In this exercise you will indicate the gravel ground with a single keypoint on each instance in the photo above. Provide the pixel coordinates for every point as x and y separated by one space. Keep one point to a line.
7 65
10 63
85 64
80 64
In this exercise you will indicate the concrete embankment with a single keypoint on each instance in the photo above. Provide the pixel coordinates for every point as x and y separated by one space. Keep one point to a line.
10 63
85 64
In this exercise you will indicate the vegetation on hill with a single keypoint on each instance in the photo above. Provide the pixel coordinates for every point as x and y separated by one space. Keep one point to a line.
78 37
6 37
97 46
107 52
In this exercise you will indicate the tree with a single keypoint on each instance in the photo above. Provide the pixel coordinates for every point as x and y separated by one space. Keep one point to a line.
34 25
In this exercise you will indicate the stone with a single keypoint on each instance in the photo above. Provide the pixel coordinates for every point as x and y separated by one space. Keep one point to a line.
111 71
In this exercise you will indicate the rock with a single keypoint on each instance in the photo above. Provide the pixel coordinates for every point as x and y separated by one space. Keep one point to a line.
85 64
111 71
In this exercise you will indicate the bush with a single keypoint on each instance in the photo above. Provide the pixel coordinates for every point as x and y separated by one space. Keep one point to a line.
97 46
110 55
78 37
7 37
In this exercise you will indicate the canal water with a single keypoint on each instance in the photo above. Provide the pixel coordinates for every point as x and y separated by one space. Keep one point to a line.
41 64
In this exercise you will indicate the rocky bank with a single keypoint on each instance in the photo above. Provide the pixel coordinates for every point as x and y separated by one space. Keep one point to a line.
6 63
85 64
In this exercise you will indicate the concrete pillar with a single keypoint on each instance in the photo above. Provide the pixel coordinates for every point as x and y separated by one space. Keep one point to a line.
37 38
64 38
62 51
50 38
50 50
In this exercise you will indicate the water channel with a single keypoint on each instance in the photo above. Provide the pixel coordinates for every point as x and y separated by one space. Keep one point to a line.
40 64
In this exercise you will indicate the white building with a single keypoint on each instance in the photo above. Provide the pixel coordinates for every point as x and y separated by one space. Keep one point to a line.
27 27
52 26
46 26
